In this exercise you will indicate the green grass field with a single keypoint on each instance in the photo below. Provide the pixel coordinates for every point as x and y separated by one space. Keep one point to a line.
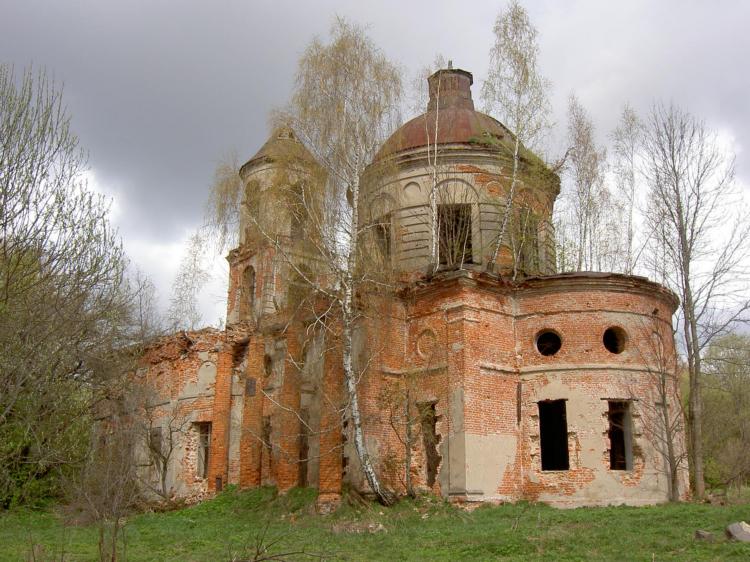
228 527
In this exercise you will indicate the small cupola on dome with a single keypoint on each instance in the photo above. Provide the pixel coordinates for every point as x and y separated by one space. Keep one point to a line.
450 118
450 88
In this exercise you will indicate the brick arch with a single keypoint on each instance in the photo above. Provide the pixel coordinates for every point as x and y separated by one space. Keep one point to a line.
463 192
247 292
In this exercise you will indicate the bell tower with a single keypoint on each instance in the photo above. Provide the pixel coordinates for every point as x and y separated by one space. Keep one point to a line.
271 218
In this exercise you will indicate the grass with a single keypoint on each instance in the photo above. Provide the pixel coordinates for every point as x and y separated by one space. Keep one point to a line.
424 529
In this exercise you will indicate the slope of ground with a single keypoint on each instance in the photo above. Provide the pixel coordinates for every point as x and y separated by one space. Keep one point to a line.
230 526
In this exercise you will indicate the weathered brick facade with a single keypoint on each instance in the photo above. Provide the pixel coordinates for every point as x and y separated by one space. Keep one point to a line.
477 383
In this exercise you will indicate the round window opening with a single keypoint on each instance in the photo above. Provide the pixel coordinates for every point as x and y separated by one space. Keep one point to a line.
614 339
548 342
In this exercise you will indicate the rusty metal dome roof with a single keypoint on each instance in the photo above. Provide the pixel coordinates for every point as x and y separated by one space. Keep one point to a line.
452 108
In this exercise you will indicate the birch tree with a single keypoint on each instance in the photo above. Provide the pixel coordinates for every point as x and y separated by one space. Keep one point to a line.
162 431
626 141
702 233
419 93
222 216
449 233
588 216
183 312
344 107
147 322
432 162
515 93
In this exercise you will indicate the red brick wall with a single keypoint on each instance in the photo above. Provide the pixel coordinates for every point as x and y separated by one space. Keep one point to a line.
169 371
465 342
218 467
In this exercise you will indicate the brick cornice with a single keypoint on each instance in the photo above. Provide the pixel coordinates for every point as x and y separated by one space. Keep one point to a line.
548 284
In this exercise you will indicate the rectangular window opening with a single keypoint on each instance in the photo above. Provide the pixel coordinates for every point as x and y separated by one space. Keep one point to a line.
620 435
430 439
454 234
155 441
267 446
553 435
304 447
204 448
382 230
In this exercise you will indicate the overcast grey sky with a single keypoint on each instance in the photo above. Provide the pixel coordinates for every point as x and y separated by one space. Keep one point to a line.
159 90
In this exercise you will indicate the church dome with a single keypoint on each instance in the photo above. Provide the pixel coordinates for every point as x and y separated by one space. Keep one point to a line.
452 107
281 145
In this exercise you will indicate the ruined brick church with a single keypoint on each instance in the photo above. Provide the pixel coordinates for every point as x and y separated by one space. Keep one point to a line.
477 384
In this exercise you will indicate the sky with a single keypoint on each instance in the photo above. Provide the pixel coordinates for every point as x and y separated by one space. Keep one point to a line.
160 90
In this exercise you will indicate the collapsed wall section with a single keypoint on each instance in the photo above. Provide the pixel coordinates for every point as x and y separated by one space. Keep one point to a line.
177 375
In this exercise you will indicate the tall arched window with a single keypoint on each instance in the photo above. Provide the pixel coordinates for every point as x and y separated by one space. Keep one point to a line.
248 292
456 207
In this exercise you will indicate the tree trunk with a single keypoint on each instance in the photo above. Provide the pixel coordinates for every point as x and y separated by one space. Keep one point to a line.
695 406
164 478
692 345
384 496
508 208
347 332
669 437
115 529
435 249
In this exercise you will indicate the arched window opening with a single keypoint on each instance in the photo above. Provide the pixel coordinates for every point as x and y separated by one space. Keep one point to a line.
248 292
299 202
252 214
456 203
454 233
382 232
524 240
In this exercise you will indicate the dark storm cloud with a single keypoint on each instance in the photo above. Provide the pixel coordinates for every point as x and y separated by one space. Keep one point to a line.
157 92
160 90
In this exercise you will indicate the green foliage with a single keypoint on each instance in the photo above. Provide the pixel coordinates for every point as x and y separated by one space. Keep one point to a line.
726 409
30 475
423 529
64 303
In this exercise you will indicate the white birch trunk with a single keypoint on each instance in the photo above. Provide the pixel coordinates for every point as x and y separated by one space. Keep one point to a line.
508 208
347 336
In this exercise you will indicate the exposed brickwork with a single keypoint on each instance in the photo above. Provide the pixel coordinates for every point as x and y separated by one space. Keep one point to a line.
450 375
251 446
178 374
464 342
218 466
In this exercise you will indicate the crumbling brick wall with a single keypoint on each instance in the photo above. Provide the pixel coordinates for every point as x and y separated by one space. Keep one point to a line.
451 375
178 375
486 379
